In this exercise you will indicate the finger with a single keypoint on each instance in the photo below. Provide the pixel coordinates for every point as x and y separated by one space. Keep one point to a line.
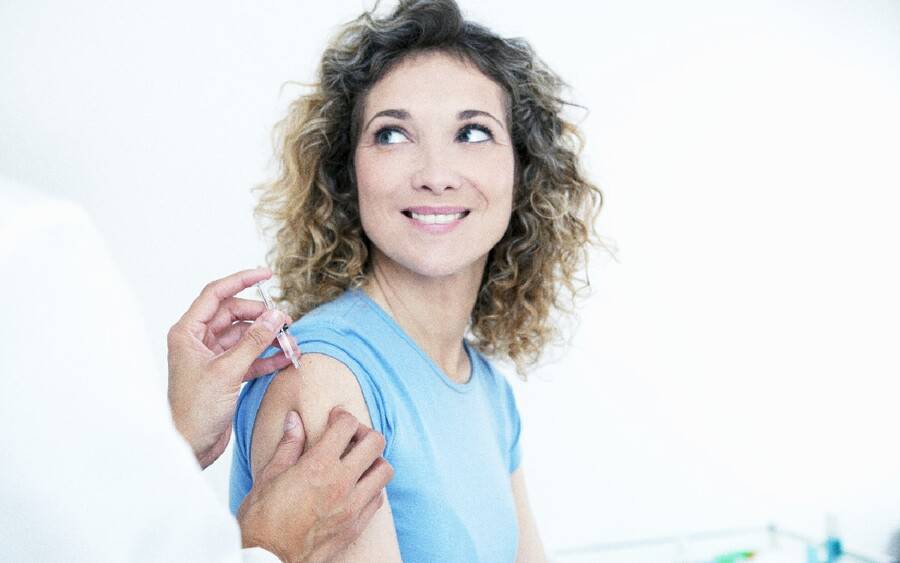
341 428
207 303
230 336
235 309
365 516
373 482
236 361
265 366
288 450
360 434
209 457
364 453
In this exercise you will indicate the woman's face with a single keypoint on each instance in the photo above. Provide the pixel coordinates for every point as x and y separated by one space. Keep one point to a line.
434 166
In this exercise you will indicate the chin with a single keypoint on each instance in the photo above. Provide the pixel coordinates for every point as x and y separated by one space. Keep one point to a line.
430 267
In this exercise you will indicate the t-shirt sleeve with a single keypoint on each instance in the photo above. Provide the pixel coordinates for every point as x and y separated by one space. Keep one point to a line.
511 423
342 347
244 418
514 426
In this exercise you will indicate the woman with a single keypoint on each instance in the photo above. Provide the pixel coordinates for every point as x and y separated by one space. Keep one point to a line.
430 190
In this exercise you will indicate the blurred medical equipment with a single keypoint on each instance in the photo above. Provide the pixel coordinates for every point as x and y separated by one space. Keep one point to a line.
764 544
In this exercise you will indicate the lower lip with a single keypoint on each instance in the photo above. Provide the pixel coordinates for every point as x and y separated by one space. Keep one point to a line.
435 228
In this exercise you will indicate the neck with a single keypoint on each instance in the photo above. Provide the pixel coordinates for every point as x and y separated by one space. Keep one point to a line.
433 311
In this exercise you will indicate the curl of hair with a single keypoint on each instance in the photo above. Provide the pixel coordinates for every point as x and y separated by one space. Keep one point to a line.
320 248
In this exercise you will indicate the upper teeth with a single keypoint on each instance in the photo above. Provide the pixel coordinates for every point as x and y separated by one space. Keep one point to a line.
439 219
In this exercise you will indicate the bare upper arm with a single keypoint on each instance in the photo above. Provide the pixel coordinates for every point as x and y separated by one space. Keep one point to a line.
531 550
320 384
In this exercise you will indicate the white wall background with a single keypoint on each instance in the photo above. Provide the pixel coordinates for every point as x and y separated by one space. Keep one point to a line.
737 365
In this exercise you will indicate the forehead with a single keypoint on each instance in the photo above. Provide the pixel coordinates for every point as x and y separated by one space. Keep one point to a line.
435 82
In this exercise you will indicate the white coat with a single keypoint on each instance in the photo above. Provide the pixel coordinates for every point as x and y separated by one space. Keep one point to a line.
92 468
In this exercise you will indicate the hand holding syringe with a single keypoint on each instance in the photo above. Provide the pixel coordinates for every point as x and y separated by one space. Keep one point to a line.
284 340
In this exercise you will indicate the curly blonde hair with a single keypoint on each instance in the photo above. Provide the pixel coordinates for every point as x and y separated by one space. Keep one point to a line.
320 247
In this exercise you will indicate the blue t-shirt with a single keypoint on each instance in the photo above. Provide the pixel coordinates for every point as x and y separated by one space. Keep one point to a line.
453 446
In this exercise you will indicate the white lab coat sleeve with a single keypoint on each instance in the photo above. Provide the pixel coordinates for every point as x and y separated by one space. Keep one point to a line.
92 468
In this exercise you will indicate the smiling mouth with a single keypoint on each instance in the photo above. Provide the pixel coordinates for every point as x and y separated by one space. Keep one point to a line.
435 218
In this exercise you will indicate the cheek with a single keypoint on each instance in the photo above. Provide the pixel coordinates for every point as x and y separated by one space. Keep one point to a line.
375 178
496 178
380 173
371 181
507 189
363 171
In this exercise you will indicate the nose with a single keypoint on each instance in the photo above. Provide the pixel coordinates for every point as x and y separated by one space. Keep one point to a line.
436 173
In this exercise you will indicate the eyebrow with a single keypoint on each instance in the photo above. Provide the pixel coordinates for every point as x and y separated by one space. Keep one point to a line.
403 114
398 113
470 113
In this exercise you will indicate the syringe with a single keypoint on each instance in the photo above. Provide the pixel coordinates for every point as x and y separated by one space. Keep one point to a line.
283 339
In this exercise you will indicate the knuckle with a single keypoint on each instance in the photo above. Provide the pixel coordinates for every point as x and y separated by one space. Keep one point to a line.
258 337
209 287
172 335
228 304
288 440
209 290
378 440
347 420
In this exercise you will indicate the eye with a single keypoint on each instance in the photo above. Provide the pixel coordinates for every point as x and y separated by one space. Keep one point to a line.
475 133
389 136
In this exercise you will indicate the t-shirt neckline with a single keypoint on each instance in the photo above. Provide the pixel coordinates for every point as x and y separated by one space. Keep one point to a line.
460 387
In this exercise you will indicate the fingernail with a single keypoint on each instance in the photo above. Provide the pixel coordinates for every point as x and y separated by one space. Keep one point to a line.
271 320
291 420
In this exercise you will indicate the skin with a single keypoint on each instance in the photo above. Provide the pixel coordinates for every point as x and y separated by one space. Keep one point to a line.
212 349
302 507
429 282
418 154
309 508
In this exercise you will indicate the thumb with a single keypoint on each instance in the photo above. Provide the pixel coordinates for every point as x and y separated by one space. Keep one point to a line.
288 450
238 359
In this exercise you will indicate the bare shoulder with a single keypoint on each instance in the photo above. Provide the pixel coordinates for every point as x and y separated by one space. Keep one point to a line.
320 384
